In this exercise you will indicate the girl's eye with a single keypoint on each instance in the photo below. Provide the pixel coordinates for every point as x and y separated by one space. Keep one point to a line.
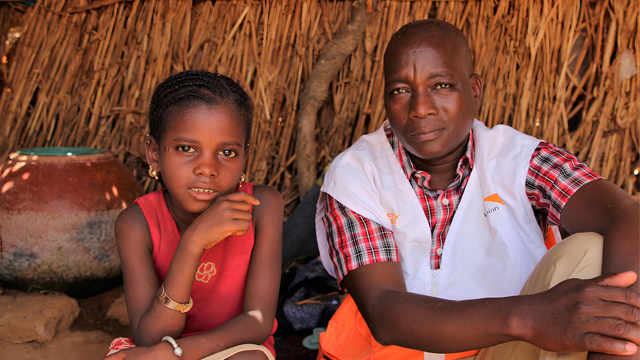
398 91
186 149
227 153
443 86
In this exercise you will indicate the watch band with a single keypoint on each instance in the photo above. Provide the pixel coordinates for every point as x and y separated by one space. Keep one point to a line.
172 304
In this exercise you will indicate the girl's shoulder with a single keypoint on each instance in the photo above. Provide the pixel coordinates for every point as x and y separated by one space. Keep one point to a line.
131 228
268 196
271 204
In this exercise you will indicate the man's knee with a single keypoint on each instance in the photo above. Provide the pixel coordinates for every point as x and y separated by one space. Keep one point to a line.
577 257
249 355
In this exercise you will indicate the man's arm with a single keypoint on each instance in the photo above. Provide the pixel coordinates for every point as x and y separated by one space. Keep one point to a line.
435 325
575 322
602 207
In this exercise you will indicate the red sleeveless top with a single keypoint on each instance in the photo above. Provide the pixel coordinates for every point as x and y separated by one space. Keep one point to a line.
218 289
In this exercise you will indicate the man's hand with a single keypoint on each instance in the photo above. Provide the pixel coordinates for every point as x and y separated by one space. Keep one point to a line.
597 315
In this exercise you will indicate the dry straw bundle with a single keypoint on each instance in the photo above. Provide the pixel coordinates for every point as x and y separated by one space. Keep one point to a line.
83 72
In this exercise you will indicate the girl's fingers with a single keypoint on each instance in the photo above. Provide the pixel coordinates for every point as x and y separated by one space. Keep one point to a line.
243 196
240 205
240 215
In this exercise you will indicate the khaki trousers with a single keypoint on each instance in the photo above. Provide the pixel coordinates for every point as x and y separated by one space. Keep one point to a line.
578 256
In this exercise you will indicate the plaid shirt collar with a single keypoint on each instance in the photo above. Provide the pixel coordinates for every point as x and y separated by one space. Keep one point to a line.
465 164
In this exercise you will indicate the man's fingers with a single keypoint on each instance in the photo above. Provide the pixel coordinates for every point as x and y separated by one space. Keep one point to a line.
615 329
243 196
622 311
619 295
624 279
606 345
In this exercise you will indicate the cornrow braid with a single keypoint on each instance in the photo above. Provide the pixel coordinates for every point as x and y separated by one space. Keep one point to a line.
194 87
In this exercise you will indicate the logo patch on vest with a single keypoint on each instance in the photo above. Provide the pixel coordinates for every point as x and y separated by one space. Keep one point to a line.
206 272
393 217
494 198
491 210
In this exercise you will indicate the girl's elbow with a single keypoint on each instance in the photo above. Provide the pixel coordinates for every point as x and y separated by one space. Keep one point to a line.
265 325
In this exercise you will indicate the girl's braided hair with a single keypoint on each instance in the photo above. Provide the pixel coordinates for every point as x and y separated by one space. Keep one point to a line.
190 88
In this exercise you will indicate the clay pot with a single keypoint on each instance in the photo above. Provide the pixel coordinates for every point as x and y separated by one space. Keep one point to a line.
58 207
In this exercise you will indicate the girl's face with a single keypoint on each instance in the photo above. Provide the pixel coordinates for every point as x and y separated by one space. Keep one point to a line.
200 158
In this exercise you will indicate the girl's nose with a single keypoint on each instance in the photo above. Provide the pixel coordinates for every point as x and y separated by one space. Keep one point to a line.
422 104
206 166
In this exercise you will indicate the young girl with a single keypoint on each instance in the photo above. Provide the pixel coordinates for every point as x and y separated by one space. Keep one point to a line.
200 258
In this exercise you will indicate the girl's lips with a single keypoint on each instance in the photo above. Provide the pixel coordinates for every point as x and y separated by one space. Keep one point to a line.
202 194
428 135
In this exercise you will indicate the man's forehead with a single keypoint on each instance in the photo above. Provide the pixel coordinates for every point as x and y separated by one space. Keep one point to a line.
407 48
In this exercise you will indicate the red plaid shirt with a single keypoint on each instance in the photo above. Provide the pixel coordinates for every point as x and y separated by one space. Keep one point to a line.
554 176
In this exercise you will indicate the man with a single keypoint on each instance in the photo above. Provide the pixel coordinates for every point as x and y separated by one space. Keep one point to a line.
434 210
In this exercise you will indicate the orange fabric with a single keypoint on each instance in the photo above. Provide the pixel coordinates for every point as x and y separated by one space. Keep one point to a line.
348 338
460 355
494 198
551 238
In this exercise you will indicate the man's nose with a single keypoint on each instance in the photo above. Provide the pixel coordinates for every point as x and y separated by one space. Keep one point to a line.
206 166
422 104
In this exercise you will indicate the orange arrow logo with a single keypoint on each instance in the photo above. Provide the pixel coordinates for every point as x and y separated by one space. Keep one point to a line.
494 198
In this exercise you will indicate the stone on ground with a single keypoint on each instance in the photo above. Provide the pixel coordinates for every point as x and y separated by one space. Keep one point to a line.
118 311
35 317
68 345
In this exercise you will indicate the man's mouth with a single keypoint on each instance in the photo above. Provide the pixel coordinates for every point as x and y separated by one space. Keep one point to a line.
427 135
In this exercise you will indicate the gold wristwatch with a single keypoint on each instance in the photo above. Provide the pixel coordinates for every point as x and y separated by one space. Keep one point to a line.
172 304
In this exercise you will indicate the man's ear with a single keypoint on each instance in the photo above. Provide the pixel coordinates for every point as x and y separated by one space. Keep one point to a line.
477 87
152 152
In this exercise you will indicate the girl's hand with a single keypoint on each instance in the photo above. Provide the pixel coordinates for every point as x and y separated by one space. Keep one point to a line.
160 351
228 215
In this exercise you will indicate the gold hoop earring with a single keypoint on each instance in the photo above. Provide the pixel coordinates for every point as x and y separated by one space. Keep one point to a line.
241 180
153 173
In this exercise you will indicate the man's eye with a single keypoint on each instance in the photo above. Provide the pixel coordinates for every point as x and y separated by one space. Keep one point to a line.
186 149
443 86
398 91
227 153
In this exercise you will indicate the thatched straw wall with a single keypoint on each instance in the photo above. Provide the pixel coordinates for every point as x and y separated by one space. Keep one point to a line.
83 72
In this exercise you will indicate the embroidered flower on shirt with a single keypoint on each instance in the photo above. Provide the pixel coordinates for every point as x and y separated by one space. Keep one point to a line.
205 272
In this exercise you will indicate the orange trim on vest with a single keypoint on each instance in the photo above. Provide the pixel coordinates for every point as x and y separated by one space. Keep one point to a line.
551 238
348 338
495 198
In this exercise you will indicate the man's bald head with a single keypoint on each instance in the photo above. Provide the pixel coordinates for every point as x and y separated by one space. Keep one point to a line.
433 29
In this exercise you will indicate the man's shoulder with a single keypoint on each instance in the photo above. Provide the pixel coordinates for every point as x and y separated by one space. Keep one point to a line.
502 140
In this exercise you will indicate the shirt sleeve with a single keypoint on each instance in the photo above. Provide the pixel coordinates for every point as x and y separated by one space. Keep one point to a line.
354 240
554 176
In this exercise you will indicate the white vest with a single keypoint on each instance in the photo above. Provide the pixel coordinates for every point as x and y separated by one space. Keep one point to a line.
494 241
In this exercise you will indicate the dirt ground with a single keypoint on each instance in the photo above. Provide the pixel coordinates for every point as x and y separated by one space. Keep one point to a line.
88 338
91 333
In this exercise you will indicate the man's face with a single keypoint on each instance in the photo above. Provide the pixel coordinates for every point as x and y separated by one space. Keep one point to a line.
430 97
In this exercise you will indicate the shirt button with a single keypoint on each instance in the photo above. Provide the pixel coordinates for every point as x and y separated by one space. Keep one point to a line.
439 251
445 201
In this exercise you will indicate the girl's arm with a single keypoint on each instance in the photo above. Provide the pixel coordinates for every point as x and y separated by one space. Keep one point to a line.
148 317
253 325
